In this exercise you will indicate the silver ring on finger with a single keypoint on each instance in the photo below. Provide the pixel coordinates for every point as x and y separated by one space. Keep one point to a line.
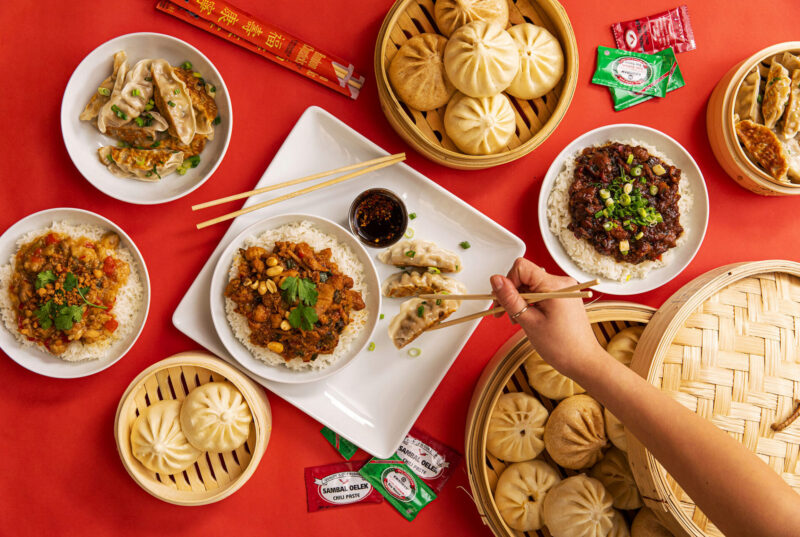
520 312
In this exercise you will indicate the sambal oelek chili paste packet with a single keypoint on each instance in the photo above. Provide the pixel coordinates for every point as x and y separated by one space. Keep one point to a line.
345 447
398 484
337 485
657 32
625 99
432 461
632 71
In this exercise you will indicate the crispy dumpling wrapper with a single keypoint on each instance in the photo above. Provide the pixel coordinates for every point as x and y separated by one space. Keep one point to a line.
419 253
173 100
791 117
417 315
413 283
144 136
203 103
776 94
764 148
142 164
98 100
746 105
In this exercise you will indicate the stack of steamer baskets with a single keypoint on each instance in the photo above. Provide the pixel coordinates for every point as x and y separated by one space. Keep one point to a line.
726 346
536 118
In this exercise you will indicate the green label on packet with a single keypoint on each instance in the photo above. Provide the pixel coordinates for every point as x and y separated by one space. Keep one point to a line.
345 447
625 99
632 71
398 484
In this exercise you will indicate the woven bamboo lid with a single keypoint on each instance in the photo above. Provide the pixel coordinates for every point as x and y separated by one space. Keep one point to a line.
726 346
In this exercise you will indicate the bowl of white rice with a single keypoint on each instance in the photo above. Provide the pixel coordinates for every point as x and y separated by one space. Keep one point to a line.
578 258
130 309
352 260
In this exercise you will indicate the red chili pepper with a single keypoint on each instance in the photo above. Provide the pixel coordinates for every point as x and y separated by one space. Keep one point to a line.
89 244
111 325
51 239
109 264
36 259
37 251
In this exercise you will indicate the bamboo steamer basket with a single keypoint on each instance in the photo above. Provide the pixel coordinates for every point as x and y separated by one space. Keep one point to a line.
424 131
721 127
214 476
504 374
726 346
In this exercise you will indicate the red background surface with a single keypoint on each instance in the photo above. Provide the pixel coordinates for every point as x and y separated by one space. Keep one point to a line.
59 469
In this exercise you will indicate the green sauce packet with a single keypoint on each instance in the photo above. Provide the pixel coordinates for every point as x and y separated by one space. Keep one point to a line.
632 71
398 484
345 447
625 99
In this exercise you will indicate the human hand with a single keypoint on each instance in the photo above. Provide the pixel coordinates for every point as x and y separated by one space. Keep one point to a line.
558 328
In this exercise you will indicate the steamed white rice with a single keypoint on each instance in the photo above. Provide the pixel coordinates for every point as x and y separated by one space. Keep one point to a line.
348 264
129 297
581 250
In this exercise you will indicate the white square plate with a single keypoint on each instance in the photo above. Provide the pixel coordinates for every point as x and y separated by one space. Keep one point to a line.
376 399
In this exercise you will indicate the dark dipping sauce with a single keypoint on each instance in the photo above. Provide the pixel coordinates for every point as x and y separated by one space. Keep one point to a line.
642 221
378 217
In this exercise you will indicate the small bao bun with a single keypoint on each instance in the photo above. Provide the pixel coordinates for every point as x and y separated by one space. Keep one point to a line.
541 61
480 126
481 59
450 15
417 73
575 433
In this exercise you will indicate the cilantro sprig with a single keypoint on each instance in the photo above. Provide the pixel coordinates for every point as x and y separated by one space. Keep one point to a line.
304 292
63 317
45 277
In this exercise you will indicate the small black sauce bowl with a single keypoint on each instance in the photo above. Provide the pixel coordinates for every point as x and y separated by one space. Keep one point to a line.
389 240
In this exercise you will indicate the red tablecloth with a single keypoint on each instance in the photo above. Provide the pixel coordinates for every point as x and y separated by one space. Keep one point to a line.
59 470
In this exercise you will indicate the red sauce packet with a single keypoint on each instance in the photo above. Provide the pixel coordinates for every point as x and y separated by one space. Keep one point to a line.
655 33
337 485
432 461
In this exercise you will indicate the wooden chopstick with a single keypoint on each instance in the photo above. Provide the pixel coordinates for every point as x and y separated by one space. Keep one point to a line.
400 157
501 309
296 181
530 297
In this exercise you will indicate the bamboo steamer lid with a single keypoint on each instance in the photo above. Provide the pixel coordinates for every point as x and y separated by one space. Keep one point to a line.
504 374
214 476
424 131
726 346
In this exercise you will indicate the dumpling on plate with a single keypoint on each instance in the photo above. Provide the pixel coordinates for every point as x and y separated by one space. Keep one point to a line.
417 315
141 136
541 61
614 472
215 417
173 100
516 427
547 381
579 506
763 146
746 105
203 103
450 15
791 119
129 101
106 88
776 94
143 164
413 283
481 59
480 126
158 442
419 253
575 434
520 492
417 73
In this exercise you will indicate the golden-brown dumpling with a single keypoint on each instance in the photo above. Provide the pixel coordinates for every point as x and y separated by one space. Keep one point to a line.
481 59
516 427
624 343
158 442
215 417
547 381
480 126
791 148
776 94
575 433
614 473
450 15
520 492
615 431
746 105
764 147
417 73
646 524
619 527
791 120
541 61
578 506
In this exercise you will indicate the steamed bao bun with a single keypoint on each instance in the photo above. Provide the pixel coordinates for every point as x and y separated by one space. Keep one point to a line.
541 61
480 126
450 15
417 73
481 59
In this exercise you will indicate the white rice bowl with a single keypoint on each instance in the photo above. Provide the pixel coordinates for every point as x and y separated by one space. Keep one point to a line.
581 250
348 264
129 297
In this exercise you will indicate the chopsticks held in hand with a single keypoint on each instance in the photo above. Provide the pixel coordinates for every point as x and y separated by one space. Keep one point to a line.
574 291
366 167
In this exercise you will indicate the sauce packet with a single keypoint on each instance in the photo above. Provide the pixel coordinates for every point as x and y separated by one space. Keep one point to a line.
344 446
337 485
657 32
625 99
432 461
632 71
398 484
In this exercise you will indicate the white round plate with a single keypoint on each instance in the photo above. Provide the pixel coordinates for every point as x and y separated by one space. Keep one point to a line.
696 221
280 373
35 358
83 139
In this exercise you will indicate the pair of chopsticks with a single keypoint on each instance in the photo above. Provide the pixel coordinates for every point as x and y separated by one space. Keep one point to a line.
574 291
366 167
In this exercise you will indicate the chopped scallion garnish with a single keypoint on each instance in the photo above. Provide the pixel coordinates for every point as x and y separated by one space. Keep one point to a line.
412 216
171 103
135 92
371 346
187 65
414 352
464 244
104 91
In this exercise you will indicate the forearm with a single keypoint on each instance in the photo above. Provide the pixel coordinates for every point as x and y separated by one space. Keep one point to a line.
738 492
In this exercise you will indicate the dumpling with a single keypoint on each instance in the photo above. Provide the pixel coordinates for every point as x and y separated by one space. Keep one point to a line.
791 148
575 433
516 427
746 105
541 61
578 506
215 417
417 315
481 59
419 253
791 120
158 442
480 126
547 381
203 103
619 528
141 136
520 492
615 431
417 73
646 524
103 93
614 473
790 61
173 100
414 282
776 94
143 164
452 14
763 146
624 343
127 102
